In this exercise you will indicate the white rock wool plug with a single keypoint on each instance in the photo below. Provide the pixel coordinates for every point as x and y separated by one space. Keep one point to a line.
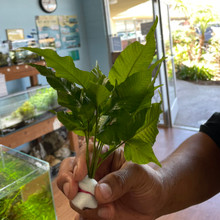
85 197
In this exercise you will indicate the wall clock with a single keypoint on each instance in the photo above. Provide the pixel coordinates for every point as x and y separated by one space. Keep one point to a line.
48 5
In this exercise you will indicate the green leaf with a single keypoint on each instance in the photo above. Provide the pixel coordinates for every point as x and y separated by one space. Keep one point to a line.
68 101
97 93
80 105
153 66
139 148
140 152
64 67
54 81
70 121
135 58
99 75
132 92
120 125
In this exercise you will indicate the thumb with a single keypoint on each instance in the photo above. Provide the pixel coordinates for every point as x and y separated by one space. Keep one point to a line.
118 183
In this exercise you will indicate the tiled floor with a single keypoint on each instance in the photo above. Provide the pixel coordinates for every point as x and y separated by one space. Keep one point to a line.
166 142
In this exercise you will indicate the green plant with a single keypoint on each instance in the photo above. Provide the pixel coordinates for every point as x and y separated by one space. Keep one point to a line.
196 17
194 72
114 110
44 99
26 110
39 205
15 174
3 59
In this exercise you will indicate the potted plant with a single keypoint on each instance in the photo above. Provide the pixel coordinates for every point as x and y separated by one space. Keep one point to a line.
115 110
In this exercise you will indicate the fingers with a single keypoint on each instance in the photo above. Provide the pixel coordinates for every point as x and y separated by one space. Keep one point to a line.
80 165
65 178
112 163
72 170
114 185
103 212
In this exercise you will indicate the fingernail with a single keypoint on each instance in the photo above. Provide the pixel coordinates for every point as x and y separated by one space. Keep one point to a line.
105 190
66 188
103 212
105 149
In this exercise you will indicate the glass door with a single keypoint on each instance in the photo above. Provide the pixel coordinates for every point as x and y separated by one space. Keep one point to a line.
167 73
129 21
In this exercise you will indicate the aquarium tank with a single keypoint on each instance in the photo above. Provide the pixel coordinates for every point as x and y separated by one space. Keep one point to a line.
25 187
20 109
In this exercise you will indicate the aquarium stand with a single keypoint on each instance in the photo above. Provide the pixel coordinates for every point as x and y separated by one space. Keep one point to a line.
35 131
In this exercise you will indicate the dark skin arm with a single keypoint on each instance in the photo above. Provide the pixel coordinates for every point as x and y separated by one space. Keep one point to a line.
192 173
127 191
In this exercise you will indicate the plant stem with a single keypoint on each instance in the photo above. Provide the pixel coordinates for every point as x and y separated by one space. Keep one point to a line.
96 157
92 163
112 150
99 150
87 151
95 148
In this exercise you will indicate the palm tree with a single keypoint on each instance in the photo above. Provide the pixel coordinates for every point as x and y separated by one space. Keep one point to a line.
198 17
201 19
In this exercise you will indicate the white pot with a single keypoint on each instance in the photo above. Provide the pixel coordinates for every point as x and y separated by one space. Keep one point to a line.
85 197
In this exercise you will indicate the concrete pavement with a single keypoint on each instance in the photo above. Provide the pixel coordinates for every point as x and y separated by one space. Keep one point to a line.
196 102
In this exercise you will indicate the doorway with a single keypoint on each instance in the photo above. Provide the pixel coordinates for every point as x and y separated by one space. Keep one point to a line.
195 28
186 103
130 21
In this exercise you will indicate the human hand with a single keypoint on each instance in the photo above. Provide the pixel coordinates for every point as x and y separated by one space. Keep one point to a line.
125 190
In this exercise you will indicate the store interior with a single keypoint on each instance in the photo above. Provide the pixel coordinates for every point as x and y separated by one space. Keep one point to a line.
33 142
71 28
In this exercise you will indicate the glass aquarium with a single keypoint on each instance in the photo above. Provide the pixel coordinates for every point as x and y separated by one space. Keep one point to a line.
25 187
20 109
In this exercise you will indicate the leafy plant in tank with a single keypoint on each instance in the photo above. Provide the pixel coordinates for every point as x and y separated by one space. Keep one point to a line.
37 205
115 110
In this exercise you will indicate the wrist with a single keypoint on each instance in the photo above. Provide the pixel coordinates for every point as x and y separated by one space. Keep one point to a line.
164 192
157 190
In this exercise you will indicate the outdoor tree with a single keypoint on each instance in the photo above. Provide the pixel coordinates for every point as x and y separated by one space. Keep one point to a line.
191 46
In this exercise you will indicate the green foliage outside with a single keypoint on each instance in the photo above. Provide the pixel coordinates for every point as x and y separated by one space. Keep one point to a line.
114 110
193 73
195 58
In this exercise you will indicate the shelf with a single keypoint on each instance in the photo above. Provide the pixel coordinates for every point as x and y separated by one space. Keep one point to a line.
35 131
20 71
38 129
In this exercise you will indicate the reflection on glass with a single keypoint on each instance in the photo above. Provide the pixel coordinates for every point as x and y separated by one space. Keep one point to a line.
171 85
129 20
167 39
166 29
